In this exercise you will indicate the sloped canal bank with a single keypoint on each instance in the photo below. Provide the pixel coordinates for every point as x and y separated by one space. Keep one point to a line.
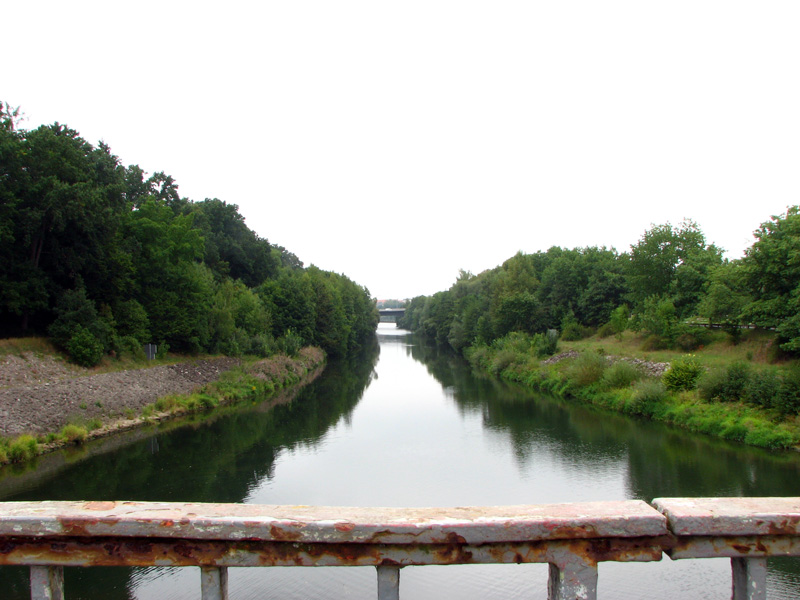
408 425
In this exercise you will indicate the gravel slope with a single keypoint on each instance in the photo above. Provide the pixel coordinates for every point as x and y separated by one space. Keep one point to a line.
42 394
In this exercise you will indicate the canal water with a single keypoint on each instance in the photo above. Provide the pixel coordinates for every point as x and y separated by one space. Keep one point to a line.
407 424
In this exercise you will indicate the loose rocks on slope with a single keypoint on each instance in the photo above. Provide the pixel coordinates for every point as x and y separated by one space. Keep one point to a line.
40 394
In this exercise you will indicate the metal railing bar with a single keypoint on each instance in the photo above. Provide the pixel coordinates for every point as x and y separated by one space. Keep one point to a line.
388 582
572 538
749 578
572 578
47 583
214 583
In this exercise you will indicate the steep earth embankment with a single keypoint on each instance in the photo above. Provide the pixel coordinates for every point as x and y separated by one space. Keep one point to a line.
42 394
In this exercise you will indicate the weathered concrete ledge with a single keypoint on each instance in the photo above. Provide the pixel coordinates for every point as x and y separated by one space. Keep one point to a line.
571 538
323 524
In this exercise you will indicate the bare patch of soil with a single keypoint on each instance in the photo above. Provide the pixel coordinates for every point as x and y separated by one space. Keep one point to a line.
40 394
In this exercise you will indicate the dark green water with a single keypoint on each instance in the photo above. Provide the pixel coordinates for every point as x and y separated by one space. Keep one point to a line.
408 425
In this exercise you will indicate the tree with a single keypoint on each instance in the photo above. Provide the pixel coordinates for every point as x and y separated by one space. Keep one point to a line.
725 298
289 299
772 276
671 262
64 199
231 248
170 283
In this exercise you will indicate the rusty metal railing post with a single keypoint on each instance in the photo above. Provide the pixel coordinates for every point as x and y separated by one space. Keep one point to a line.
747 530
214 583
572 578
388 582
47 583
571 538
749 578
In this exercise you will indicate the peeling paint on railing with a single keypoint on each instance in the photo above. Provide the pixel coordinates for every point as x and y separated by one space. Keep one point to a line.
572 538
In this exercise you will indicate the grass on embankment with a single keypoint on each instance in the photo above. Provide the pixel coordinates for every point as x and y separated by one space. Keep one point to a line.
723 390
254 379
43 347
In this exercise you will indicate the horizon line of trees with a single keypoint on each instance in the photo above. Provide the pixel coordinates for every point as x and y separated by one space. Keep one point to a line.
670 276
102 258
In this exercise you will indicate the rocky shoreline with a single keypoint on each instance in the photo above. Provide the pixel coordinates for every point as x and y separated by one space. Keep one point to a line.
41 394
652 369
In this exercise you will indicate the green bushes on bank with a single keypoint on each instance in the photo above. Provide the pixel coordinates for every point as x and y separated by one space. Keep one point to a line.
254 380
683 374
768 389
621 374
737 402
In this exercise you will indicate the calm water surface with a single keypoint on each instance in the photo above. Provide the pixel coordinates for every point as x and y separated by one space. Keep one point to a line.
407 425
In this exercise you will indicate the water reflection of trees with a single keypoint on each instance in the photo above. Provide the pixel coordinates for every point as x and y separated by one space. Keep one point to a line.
214 460
660 460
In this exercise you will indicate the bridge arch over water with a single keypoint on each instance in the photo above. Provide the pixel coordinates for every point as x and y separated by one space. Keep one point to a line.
391 315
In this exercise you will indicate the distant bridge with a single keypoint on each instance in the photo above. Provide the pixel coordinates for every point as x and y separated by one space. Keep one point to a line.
391 315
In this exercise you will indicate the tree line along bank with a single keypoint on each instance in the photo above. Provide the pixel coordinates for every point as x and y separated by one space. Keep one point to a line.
103 259
672 292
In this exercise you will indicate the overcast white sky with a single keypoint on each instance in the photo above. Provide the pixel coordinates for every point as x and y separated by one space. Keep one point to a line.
398 142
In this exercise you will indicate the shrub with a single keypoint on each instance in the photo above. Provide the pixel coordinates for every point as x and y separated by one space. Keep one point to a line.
478 356
788 401
658 317
691 338
75 311
131 346
606 330
290 343
262 345
84 348
737 377
207 402
728 385
132 321
683 374
712 385
516 341
573 331
22 448
588 368
654 342
161 349
235 344
502 359
546 344
763 389
621 374
647 395
620 319
74 433
166 403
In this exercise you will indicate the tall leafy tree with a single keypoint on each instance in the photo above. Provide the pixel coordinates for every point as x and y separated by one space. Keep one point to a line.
171 284
772 274
66 211
231 248
671 262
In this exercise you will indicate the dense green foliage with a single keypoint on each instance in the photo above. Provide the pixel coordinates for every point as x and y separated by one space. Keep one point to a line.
668 281
736 403
669 284
103 258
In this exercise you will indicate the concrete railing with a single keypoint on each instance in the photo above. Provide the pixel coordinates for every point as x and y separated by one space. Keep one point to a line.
572 538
